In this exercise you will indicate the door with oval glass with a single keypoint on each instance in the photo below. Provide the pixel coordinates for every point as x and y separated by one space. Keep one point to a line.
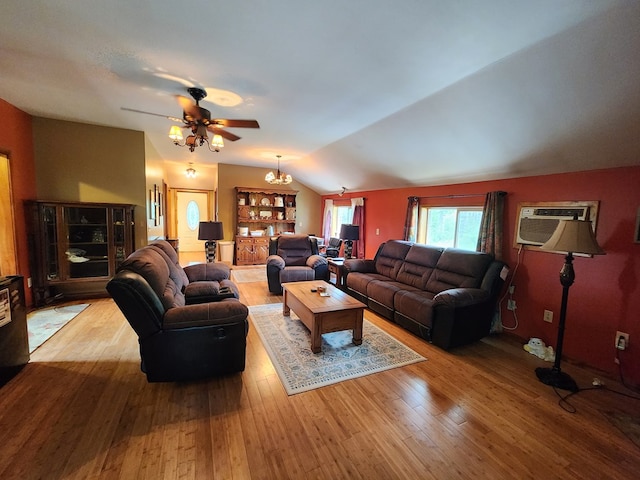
192 207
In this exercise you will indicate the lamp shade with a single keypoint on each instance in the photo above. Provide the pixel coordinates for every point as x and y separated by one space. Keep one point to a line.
574 236
210 231
350 232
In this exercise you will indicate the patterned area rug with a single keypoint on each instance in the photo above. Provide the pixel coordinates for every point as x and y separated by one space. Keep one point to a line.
288 344
42 324
247 275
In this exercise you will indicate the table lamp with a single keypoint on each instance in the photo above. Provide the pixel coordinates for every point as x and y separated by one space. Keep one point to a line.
571 236
349 233
210 231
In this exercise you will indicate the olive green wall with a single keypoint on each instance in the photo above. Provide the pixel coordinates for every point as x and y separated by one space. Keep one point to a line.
90 163
232 176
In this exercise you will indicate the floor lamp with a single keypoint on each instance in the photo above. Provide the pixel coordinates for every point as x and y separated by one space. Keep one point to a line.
571 236
349 233
210 231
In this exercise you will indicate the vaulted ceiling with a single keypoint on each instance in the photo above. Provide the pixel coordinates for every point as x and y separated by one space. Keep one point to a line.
365 94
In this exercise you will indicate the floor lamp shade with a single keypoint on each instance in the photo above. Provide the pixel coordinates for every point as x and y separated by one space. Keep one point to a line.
349 233
210 231
570 236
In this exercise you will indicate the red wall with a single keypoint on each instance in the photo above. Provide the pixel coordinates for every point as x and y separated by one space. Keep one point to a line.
16 141
606 294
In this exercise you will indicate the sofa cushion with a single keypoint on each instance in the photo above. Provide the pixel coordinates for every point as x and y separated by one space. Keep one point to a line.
383 292
458 269
224 312
297 274
166 248
151 264
201 292
358 281
390 258
294 249
210 271
418 265
416 305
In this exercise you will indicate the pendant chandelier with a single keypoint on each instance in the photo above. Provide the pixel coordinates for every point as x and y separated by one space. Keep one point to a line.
279 178
191 172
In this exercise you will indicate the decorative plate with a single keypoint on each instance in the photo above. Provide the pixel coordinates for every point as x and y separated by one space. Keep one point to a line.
265 202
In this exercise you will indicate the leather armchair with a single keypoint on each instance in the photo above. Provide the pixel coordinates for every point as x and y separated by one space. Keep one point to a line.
294 258
178 341
333 248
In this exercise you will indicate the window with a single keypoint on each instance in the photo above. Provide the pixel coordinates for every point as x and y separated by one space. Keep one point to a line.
457 227
340 214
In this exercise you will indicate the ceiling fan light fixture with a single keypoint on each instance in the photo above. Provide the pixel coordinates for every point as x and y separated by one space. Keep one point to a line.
175 134
279 178
217 141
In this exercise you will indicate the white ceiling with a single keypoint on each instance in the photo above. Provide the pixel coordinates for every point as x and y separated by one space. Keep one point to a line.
365 94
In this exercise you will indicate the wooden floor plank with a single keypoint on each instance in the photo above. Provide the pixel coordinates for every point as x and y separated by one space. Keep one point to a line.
82 409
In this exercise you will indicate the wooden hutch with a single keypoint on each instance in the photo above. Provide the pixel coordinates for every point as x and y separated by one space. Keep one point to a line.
262 213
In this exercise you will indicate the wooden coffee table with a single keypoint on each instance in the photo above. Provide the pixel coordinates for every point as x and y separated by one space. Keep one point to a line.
336 312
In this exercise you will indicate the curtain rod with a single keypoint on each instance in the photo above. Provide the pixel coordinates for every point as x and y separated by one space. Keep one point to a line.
465 195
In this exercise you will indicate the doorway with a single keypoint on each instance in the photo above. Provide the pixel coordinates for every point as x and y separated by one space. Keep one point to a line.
8 252
190 207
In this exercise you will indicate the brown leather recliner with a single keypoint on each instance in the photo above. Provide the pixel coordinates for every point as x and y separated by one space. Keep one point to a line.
294 258
181 337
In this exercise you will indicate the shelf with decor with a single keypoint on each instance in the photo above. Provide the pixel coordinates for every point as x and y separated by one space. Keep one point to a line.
262 212
75 248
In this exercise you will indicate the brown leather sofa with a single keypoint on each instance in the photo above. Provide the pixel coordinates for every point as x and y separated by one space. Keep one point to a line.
447 296
294 258
189 322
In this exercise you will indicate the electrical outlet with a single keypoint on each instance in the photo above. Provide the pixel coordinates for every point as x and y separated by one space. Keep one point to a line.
622 340
29 283
548 316
511 304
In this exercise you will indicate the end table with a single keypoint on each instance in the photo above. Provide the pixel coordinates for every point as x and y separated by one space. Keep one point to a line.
336 266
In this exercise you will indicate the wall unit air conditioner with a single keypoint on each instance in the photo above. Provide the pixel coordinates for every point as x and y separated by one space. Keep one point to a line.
537 221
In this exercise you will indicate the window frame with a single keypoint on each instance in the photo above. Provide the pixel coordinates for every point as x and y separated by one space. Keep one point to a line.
336 224
423 219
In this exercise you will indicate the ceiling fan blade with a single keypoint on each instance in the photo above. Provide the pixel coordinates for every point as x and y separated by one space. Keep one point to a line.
223 133
175 119
225 122
190 109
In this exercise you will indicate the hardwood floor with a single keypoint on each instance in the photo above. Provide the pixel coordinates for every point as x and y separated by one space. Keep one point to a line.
82 409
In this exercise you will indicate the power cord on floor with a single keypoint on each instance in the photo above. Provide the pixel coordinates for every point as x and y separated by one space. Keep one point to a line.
597 385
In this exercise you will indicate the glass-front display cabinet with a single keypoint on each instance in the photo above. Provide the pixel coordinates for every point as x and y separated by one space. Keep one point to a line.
75 248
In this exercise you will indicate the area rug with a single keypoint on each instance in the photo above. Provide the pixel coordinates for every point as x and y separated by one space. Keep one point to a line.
42 324
288 344
247 275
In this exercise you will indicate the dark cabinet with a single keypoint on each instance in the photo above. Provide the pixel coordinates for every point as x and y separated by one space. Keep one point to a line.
14 338
76 247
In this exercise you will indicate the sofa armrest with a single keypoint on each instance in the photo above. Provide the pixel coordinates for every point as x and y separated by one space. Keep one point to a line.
314 261
275 261
205 314
209 271
360 265
460 297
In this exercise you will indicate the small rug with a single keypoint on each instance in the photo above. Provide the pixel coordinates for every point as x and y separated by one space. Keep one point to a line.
42 324
288 343
247 275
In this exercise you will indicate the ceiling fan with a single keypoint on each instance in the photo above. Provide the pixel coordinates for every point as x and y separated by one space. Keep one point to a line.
199 121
